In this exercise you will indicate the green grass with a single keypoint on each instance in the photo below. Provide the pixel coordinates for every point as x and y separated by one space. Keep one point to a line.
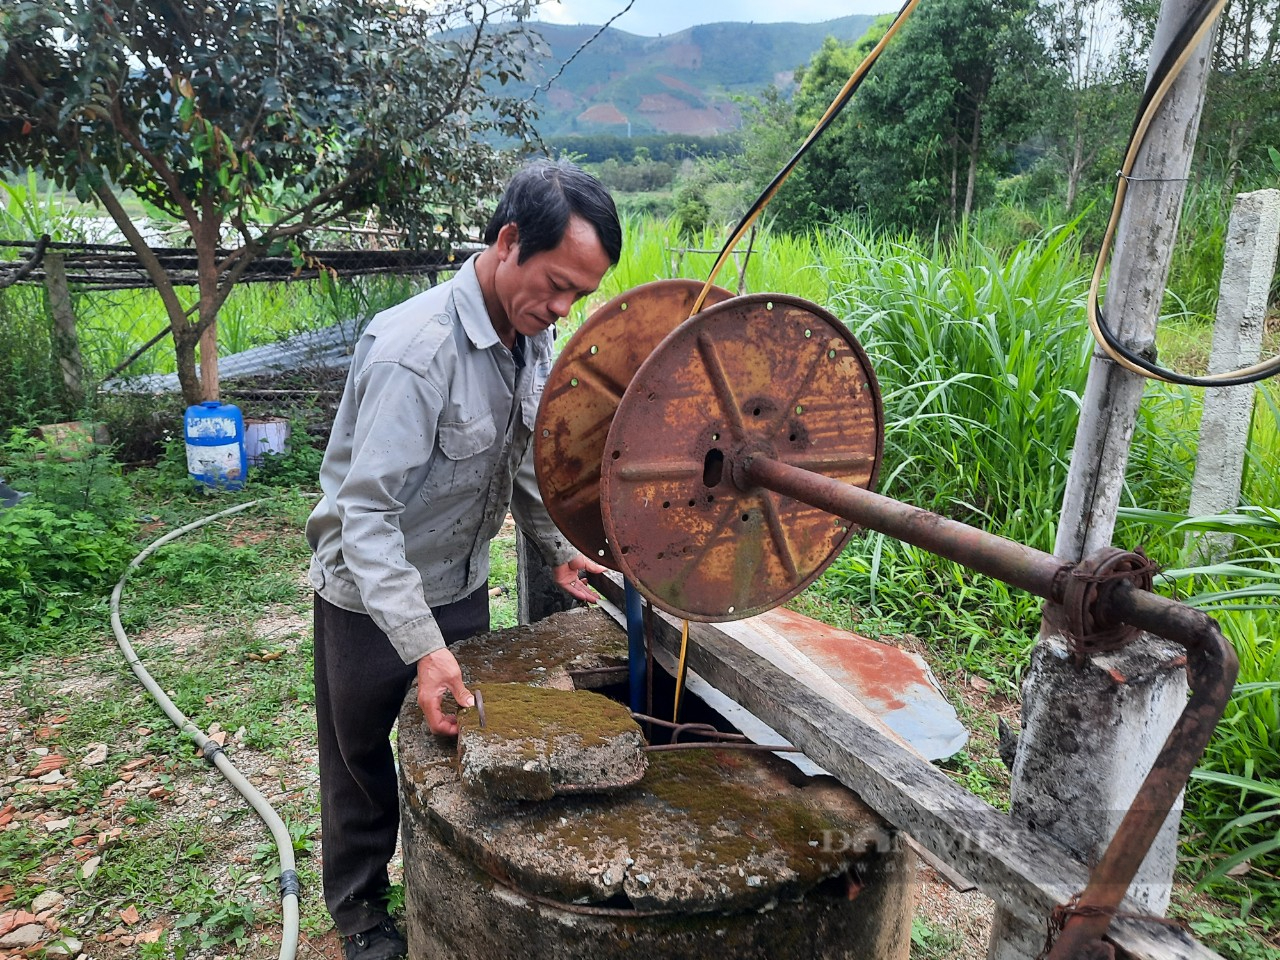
220 619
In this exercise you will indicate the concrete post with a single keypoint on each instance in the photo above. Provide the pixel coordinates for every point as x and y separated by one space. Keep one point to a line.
1248 266
1090 735
537 596
66 343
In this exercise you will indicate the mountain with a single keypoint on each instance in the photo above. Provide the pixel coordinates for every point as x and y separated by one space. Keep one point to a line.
682 83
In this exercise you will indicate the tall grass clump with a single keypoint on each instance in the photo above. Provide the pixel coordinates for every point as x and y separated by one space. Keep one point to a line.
981 360
1233 800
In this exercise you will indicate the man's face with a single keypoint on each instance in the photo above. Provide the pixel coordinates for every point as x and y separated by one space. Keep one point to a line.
540 291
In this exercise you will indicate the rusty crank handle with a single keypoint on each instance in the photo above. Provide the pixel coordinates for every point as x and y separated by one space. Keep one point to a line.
1103 597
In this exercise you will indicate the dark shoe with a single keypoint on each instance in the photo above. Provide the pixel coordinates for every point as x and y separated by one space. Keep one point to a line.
383 942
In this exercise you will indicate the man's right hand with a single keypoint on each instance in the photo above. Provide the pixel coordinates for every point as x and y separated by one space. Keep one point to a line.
438 674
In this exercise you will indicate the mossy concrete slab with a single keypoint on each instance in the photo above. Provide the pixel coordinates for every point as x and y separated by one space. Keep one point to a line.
546 653
704 829
532 743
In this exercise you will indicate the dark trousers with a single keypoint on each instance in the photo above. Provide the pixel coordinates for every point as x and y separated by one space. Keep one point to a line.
361 684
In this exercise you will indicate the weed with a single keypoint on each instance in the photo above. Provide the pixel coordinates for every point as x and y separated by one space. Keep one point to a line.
70 536
932 942
299 467
22 850
1236 938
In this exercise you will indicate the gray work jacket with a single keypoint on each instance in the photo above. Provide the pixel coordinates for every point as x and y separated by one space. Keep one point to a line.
429 447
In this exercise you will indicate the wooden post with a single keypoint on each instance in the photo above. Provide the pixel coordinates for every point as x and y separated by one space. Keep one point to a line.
66 343
1248 266
1089 735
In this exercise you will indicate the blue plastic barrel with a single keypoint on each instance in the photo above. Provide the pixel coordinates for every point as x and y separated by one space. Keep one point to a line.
214 432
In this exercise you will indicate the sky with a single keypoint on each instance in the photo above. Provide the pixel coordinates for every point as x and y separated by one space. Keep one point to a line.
649 18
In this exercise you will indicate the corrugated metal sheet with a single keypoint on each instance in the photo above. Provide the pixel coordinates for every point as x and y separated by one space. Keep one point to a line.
327 349
894 684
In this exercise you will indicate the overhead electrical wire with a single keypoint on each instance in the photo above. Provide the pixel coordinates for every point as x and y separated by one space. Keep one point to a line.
1180 51
833 111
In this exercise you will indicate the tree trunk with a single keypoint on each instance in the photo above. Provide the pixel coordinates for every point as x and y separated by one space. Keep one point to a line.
974 139
210 301
184 348
209 362
1075 168
953 200
184 343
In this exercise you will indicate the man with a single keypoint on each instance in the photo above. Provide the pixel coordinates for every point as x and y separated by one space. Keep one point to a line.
429 447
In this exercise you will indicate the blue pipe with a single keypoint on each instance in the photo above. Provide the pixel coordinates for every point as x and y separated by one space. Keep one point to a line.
635 646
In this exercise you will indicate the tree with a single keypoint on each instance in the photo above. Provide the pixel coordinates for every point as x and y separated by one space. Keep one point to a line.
963 78
1094 54
257 122
825 183
934 119
1242 106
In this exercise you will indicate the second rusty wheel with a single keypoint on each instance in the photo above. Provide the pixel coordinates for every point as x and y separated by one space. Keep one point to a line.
761 375
582 395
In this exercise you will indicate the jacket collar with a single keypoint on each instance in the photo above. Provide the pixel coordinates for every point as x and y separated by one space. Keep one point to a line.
468 302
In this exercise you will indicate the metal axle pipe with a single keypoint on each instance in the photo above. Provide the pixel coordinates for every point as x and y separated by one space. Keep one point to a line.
1016 564
1212 665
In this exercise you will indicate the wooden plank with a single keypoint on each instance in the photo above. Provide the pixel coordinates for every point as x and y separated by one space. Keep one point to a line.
1023 872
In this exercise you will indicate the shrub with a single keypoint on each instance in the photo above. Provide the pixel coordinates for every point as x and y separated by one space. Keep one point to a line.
70 537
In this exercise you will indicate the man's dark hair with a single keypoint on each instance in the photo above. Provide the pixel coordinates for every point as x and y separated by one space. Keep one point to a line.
540 199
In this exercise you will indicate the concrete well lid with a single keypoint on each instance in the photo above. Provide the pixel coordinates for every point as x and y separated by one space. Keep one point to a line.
705 830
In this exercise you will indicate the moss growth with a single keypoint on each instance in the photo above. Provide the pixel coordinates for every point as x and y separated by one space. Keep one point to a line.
517 712
720 818
538 741
531 653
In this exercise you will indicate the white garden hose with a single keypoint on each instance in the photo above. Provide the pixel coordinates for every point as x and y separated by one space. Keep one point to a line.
210 749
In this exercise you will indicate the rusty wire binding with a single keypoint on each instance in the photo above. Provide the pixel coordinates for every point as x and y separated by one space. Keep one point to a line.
1100 949
1083 615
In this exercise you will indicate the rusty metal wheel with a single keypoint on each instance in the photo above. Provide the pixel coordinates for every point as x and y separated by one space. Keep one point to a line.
582 395
766 374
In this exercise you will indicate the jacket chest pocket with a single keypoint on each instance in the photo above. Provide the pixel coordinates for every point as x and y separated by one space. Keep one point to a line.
461 440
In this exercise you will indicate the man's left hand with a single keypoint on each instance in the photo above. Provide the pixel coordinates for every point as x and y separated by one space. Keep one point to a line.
568 577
